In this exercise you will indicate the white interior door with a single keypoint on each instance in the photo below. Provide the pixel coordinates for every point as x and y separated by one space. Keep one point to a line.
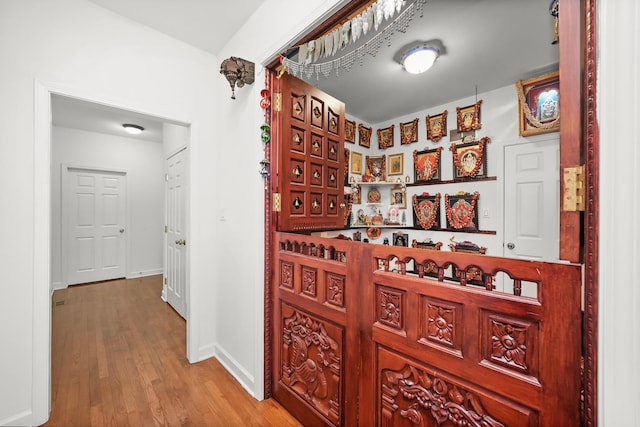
93 210
176 250
532 203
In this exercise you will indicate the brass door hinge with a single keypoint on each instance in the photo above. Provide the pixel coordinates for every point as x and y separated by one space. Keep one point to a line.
166 228
573 197
277 102
276 202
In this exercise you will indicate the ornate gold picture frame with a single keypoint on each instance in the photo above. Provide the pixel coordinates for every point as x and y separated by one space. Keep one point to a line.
365 136
426 165
470 159
396 164
539 104
436 126
409 132
469 117
376 169
385 137
356 163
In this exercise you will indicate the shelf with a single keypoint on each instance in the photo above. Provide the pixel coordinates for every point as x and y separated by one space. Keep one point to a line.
404 227
455 230
452 181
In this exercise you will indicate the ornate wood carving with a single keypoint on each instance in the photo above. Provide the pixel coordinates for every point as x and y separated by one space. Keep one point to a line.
440 323
311 363
425 395
390 307
309 286
335 289
508 344
286 274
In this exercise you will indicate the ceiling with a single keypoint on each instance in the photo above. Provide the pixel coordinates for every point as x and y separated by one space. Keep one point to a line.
487 44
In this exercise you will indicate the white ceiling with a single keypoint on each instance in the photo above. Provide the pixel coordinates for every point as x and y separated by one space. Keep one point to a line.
489 44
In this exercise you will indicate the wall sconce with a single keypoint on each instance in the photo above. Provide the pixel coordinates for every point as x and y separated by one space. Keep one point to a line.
238 72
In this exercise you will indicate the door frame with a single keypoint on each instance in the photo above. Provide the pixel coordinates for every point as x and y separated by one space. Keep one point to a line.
42 291
579 144
64 226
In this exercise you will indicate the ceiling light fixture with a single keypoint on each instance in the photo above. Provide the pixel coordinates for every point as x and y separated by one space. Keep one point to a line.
132 129
419 59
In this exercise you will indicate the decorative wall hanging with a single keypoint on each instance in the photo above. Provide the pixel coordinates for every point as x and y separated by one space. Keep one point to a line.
398 196
462 211
539 104
400 239
436 126
396 164
385 137
376 169
329 44
409 132
469 117
349 131
470 159
238 72
426 211
426 165
554 10
356 163
365 136
356 194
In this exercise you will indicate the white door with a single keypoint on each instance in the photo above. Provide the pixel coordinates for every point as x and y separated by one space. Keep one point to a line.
532 203
176 247
93 214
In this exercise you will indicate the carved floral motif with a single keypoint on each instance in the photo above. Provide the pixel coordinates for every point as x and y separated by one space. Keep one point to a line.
335 290
440 323
390 308
309 281
508 343
286 275
429 395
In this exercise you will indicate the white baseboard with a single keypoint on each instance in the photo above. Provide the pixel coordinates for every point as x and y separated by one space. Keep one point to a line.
239 373
56 286
144 273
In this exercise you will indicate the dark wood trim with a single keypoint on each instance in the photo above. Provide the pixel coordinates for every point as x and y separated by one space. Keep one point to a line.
592 149
268 309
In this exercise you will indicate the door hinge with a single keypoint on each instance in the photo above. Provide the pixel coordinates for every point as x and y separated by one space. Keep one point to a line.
277 102
165 280
276 202
166 228
166 177
573 197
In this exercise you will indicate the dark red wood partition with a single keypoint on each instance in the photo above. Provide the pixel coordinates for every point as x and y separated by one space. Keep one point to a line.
357 344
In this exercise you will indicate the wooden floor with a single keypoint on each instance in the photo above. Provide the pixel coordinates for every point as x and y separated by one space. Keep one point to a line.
118 359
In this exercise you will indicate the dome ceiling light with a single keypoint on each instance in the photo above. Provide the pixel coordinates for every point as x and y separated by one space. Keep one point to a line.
420 58
133 129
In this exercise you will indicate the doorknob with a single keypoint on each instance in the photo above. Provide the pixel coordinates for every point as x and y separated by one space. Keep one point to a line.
181 242
511 246
122 230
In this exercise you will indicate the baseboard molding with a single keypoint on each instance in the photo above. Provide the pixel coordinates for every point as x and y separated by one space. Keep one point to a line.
144 273
239 373
24 418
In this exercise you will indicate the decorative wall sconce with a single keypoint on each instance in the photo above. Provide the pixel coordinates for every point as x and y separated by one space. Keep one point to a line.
238 72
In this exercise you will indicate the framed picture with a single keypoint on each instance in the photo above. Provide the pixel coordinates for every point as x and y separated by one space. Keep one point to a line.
474 275
350 131
365 136
462 211
356 163
409 132
398 196
470 159
400 239
356 194
426 211
539 104
376 168
396 164
436 126
385 137
426 165
469 117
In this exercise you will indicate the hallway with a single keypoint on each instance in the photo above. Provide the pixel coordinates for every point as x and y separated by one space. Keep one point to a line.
118 359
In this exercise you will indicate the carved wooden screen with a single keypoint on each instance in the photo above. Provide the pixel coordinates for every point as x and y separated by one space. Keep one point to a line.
309 165
358 345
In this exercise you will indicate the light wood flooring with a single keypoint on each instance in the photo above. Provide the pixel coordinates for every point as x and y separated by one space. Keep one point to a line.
118 359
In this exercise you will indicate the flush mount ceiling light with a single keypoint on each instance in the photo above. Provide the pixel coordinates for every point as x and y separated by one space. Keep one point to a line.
132 129
420 58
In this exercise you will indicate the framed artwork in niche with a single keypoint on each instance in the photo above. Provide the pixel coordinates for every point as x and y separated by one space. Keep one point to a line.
426 165
539 104
364 134
409 132
436 126
350 131
469 117
385 137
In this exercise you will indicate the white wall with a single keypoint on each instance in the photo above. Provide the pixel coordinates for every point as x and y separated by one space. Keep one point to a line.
76 48
143 162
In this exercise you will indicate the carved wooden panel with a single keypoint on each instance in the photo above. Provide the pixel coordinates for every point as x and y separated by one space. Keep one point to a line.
309 281
441 324
413 394
390 307
311 360
286 274
297 140
335 289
